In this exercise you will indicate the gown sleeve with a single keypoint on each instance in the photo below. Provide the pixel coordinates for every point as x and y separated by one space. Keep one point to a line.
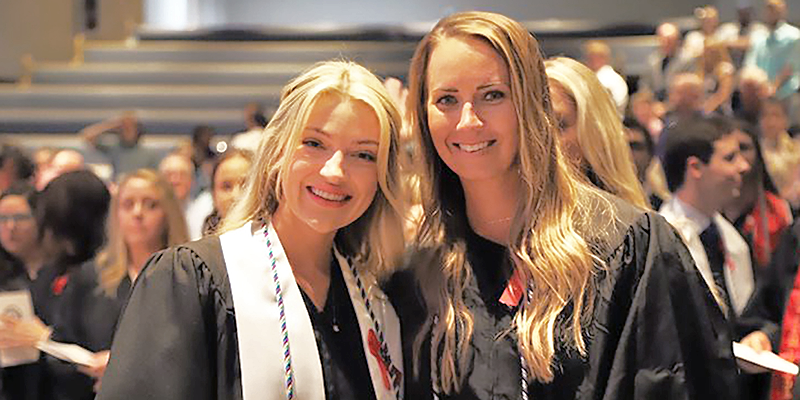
672 341
166 343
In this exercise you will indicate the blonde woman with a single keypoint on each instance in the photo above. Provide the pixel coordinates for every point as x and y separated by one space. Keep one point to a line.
537 284
284 303
144 217
716 69
590 129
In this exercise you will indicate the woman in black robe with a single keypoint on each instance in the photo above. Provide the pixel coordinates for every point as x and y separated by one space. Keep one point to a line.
284 303
70 217
538 285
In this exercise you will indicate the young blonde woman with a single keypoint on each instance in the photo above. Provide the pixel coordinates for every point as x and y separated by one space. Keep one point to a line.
538 285
284 303
144 217
591 133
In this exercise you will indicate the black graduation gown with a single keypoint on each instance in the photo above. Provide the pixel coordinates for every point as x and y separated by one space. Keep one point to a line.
655 331
84 315
177 335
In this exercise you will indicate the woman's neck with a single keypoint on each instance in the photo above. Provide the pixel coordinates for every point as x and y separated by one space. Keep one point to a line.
137 257
309 254
491 205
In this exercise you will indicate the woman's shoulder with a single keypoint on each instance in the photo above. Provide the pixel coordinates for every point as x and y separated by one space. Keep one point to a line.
198 258
625 228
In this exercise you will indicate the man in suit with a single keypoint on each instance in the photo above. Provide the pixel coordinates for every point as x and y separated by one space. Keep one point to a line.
667 61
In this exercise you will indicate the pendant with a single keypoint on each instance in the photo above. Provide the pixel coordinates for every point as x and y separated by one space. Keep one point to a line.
336 327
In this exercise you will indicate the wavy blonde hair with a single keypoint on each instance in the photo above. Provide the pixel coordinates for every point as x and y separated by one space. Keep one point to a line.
599 129
555 208
112 260
375 240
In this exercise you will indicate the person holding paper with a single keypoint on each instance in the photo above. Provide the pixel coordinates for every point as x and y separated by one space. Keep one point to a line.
70 215
285 302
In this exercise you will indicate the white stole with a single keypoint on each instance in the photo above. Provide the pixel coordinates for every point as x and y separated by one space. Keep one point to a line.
738 271
258 328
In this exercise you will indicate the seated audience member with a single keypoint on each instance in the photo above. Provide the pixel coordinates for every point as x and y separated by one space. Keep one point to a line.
70 214
642 151
716 71
63 161
666 62
778 54
686 98
704 167
125 152
752 90
256 122
758 212
15 167
228 178
597 56
781 151
647 111
590 129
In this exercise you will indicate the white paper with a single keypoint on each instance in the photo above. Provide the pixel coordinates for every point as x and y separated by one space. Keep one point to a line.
755 362
68 352
17 304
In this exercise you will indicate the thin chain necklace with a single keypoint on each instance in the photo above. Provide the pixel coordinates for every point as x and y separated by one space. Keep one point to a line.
391 375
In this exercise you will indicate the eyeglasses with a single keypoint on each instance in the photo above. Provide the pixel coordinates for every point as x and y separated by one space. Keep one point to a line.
14 217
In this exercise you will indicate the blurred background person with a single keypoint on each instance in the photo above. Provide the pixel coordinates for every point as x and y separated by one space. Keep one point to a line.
20 264
759 213
781 151
694 42
643 152
753 89
647 112
144 217
597 56
591 130
178 170
228 177
686 98
778 54
738 35
717 72
70 215
667 61
124 151
256 121
15 167
64 160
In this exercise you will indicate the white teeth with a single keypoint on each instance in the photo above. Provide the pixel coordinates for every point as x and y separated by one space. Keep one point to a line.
328 196
471 148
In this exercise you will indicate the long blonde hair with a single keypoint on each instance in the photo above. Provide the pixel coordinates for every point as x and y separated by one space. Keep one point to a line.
112 260
599 129
555 207
375 240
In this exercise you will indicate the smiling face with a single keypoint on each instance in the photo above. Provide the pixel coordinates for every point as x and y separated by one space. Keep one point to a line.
471 116
332 176
18 231
140 214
